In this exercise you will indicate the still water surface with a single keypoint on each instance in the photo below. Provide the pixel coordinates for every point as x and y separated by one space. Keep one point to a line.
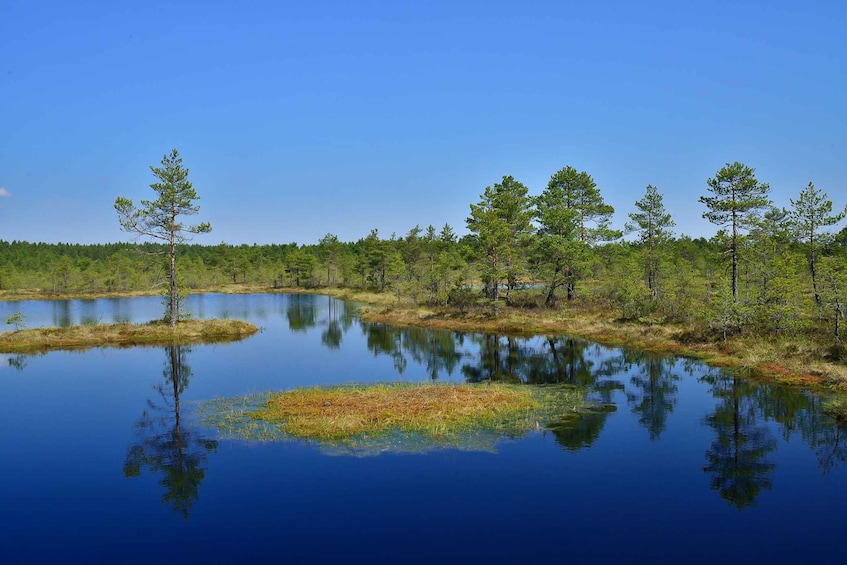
101 460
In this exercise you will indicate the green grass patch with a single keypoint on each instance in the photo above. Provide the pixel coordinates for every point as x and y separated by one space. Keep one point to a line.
124 335
396 417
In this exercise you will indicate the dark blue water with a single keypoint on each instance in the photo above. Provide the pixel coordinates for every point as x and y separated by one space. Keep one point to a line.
694 465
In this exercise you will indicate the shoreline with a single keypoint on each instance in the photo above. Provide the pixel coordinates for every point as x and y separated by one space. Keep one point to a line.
781 360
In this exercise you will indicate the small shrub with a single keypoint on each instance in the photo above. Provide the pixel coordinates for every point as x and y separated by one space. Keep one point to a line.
461 296
17 320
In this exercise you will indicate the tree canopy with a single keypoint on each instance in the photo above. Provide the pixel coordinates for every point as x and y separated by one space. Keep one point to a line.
159 218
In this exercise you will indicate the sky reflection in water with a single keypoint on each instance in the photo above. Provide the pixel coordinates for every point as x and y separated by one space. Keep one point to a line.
102 445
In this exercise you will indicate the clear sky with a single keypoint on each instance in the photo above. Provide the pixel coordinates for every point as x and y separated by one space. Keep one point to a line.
302 118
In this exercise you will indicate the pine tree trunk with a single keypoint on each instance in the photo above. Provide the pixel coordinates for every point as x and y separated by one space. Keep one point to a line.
734 252
173 314
551 298
734 249
814 270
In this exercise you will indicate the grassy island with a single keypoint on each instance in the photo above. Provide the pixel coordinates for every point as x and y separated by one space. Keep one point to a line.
342 412
124 335
400 417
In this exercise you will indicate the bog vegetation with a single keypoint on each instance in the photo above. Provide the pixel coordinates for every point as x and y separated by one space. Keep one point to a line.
771 270
400 416
125 334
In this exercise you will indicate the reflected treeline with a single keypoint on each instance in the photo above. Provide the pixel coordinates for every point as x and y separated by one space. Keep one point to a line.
653 389
543 361
302 310
87 315
340 316
655 392
581 430
546 361
438 352
739 459
62 313
167 447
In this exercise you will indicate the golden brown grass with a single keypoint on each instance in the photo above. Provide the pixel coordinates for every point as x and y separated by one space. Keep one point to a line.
482 422
38 294
83 337
344 412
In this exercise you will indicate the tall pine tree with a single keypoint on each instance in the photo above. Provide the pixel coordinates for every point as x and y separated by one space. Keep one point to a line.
652 223
737 198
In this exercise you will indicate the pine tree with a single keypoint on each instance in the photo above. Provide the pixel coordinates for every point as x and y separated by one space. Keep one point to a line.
159 218
572 217
812 211
501 224
737 198
652 223
558 249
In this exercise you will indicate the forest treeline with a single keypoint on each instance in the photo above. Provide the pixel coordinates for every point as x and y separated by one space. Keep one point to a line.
767 270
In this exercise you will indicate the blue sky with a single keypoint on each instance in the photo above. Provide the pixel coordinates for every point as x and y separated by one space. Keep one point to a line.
302 118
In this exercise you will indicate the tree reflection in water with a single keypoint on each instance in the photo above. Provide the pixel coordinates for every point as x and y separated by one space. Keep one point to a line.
165 446
558 360
301 312
16 361
437 351
653 391
581 430
332 334
549 361
737 458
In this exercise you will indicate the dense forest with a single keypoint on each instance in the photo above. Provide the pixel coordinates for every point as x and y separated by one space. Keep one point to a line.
768 270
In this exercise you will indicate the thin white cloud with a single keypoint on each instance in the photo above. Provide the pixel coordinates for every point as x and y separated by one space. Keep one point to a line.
4 192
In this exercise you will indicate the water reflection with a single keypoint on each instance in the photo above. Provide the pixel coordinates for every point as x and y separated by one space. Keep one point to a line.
16 361
740 460
830 445
301 312
166 447
580 431
340 318
62 313
437 352
121 312
737 459
548 360
746 421
653 389
331 336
